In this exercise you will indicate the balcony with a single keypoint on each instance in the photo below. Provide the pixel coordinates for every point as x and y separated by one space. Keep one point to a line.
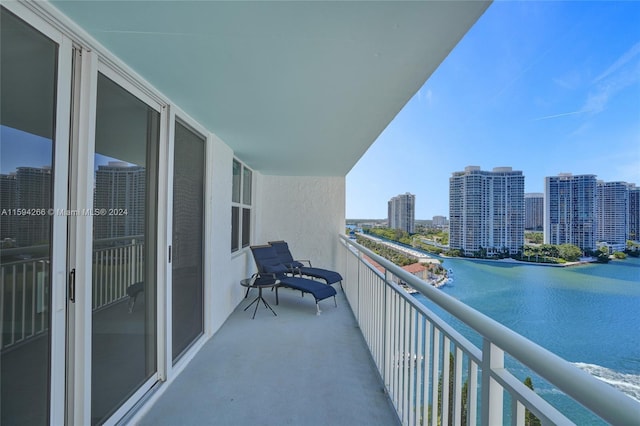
381 358
293 368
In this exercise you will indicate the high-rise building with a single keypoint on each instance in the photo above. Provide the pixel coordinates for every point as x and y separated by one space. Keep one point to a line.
401 212
634 212
8 195
533 211
570 210
612 214
120 187
439 221
486 211
33 194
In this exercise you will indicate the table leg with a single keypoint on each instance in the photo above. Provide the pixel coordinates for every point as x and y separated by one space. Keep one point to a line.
257 302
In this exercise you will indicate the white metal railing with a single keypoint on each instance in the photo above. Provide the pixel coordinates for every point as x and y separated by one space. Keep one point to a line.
435 376
115 268
23 300
24 286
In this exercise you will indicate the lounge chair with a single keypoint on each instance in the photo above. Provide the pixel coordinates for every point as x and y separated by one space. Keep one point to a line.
268 262
297 267
133 291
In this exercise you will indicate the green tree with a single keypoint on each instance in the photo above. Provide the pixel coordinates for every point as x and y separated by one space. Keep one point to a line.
529 418
633 248
387 252
569 252
603 254
453 253
534 237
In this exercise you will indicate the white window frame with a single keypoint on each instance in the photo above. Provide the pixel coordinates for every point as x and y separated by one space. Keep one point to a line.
242 205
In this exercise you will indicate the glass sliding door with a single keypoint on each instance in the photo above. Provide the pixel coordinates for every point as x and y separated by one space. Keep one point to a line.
188 235
27 117
124 348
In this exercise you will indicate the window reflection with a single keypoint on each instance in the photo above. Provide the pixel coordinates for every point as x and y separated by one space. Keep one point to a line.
124 229
27 116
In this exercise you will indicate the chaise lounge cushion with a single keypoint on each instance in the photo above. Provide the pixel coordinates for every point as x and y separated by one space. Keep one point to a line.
267 261
285 257
329 276
319 290
278 268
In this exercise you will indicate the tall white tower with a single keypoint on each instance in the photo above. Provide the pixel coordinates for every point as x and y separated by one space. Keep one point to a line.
570 210
486 211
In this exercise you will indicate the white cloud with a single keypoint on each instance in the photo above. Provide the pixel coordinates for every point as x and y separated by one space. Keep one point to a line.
624 72
425 96
620 62
563 114
429 96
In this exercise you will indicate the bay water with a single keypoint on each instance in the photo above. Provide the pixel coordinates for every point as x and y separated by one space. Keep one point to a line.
587 314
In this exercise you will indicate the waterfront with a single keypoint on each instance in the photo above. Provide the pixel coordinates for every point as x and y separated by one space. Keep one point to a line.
587 314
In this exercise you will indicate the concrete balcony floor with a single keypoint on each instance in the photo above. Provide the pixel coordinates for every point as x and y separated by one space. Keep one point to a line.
296 368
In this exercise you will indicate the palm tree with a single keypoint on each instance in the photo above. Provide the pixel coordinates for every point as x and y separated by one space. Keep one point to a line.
529 418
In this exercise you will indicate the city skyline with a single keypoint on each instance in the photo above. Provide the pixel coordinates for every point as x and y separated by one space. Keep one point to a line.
543 87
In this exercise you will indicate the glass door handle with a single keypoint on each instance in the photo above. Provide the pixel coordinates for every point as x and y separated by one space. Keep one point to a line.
72 285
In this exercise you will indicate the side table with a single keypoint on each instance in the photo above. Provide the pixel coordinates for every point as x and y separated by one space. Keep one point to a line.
260 283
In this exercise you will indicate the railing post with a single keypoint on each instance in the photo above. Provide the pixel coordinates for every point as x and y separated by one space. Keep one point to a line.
358 286
134 261
435 359
387 333
457 388
492 393
2 307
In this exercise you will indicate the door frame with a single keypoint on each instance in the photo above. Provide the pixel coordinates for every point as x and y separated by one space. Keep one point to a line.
80 245
58 257
80 59
176 115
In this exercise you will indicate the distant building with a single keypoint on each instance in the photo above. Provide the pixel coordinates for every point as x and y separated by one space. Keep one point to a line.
613 214
634 212
486 211
570 210
119 186
439 222
418 270
401 212
33 193
8 195
533 211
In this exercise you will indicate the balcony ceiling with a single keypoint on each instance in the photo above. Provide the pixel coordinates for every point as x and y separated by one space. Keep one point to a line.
294 88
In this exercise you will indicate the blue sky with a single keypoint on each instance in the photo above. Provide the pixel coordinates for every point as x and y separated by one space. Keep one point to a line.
28 150
545 87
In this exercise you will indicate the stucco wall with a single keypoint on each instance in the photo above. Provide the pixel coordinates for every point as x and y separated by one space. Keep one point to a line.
225 269
306 211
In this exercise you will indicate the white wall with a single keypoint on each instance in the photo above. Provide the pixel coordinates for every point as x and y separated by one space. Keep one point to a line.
306 211
225 269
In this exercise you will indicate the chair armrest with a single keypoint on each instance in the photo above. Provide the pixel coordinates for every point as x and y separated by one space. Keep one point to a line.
263 278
